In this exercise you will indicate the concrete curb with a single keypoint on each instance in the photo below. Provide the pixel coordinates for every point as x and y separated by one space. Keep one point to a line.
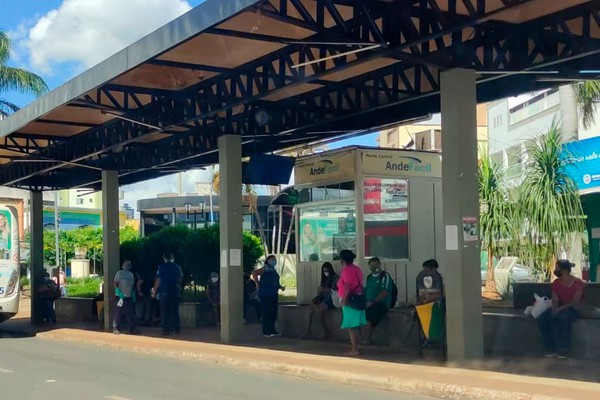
419 387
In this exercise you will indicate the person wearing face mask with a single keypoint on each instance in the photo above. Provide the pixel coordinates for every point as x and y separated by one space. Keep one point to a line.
269 286
213 292
555 323
323 302
378 292
125 297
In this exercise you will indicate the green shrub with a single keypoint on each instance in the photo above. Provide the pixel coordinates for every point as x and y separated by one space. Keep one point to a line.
24 282
196 251
83 287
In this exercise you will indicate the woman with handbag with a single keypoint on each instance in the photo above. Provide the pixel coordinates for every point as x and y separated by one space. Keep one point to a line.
351 291
323 302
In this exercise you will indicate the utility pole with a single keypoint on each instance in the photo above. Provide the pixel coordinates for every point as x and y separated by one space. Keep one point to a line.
56 232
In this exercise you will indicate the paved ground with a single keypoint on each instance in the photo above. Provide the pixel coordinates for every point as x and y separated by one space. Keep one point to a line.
32 368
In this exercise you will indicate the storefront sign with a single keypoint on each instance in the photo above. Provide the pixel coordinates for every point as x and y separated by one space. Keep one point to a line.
330 167
586 168
401 163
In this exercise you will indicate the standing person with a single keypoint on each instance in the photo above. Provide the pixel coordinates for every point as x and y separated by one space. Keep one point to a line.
349 285
251 300
378 292
268 292
124 293
48 292
323 302
555 323
168 287
213 292
143 287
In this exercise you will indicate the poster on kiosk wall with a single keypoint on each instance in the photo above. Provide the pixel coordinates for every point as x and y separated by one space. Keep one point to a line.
386 218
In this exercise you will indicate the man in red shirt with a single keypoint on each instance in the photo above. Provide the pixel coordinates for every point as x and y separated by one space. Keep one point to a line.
555 323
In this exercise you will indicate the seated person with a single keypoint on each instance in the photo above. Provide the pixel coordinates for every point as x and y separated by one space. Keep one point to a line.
213 292
378 292
323 302
555 323
430 284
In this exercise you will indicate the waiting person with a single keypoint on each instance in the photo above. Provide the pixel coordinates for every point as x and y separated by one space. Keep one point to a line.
555 323
430 284
61 281
350 285
143 286
268 293
251 300
213 292
378 292
323 302
48 292
125 298
168 288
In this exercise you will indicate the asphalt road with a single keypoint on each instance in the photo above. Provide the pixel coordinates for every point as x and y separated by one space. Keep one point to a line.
40 369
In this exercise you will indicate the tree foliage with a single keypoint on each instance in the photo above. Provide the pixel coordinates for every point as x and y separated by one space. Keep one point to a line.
496 215
548 203
15 79
197 251
588 93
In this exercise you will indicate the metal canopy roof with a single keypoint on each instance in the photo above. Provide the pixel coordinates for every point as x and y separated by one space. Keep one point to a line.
238 67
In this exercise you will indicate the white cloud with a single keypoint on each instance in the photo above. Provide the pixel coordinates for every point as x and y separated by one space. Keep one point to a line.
86 32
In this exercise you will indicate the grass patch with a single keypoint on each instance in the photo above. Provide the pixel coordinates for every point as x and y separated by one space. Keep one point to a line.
83 287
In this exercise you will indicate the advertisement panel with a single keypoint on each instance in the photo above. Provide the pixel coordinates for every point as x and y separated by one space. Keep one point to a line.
586 169
401 163
329 167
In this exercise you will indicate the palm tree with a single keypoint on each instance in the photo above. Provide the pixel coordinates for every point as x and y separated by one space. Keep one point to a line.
16 79
495 217
549 199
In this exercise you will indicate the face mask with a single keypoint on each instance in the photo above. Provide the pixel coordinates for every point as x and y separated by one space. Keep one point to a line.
273 263
214 280
326 273
558 274
375 270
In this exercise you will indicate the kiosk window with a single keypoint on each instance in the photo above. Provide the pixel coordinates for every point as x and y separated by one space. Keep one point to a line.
386 218
325 230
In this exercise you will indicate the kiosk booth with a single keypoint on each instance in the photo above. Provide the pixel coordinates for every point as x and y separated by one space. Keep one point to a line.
376 202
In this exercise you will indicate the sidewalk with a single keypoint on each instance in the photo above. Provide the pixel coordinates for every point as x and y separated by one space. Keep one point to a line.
377 369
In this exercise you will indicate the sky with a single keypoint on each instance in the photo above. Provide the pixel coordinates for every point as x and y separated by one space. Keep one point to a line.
58 39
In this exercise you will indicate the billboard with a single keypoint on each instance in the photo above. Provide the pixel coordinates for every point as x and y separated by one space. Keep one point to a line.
585 171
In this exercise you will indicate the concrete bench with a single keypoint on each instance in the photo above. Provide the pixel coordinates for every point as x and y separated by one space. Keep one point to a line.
506 333
395 330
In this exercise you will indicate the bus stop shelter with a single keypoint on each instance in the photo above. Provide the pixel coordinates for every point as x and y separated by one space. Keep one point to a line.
232 78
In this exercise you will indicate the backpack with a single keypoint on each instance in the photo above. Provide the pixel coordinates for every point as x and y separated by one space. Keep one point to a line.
394 293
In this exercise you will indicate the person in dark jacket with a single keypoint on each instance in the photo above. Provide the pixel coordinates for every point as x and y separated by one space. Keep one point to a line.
168 289
269 286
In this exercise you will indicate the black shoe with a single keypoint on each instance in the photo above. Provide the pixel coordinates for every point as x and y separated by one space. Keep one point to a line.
135 332
166 333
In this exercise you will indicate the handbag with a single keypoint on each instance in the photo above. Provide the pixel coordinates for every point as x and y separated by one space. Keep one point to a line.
358 301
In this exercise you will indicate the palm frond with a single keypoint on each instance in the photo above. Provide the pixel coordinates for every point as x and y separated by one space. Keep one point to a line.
587 96
5 47
7 108
21 81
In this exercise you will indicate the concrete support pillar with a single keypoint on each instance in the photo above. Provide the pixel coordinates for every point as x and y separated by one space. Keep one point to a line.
461 210
110 244
36 263
232 301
